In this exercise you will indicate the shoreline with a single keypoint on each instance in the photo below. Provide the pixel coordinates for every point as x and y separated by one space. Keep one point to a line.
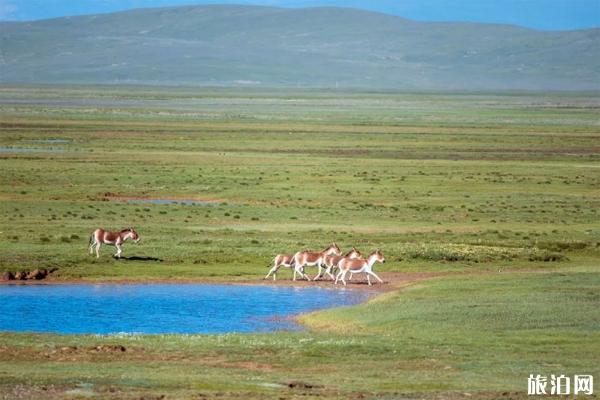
392 281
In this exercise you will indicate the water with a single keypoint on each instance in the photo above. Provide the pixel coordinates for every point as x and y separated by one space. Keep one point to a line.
58 141
29 150
162 308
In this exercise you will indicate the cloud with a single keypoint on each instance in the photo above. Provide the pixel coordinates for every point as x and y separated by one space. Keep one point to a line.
6 9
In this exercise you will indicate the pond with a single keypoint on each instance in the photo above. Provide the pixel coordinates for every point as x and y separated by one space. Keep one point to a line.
162 308
51 141
29 150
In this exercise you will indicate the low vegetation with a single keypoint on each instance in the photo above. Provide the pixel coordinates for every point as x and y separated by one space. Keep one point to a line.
496 193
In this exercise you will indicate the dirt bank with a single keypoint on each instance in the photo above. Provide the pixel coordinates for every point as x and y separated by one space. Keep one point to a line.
392 280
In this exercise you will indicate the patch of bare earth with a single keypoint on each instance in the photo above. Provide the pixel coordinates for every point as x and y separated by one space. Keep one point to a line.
391 281
110 196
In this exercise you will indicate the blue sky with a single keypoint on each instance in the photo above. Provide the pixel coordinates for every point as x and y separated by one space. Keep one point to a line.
538 14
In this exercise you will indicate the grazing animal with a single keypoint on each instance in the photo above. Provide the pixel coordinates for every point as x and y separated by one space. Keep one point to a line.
280 260
331 261
100 237
311 258
360 265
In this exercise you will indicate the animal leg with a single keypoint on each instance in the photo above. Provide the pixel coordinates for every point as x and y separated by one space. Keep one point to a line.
320 272
344 276
304 274
368 279
119 250
299 269
337 277
328 272
273 271
98 244
375 275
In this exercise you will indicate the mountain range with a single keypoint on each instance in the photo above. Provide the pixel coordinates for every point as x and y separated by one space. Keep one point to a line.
225 45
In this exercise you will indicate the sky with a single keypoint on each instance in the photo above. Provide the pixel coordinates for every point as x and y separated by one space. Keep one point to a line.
536 14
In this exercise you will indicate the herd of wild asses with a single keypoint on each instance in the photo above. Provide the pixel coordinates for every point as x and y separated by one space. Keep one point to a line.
328 261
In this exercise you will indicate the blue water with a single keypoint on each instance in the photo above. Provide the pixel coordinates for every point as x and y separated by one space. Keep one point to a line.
59 141
161 308
29 150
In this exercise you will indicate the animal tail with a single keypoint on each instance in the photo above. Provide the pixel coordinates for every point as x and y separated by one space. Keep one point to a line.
91 240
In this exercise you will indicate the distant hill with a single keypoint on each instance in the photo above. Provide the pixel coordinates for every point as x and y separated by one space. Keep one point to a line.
310 47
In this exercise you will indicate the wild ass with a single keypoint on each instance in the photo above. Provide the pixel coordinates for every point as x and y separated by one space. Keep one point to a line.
100 237
331 262
310 258
280 260
357 266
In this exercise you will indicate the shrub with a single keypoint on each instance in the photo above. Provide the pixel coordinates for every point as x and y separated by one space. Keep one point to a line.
562 246
546 256
453 252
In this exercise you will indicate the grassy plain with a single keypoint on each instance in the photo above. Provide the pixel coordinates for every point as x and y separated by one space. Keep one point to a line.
498 190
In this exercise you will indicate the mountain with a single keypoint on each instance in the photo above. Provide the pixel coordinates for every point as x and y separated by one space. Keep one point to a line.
308 47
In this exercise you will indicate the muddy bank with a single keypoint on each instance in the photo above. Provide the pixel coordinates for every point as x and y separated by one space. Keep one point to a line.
392 281
110 196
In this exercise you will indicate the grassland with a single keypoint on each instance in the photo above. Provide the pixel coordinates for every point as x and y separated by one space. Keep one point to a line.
499 192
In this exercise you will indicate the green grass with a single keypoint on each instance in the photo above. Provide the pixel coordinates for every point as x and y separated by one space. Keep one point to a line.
465 184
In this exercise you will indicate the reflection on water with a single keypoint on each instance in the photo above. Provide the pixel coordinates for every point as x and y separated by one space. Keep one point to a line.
162 308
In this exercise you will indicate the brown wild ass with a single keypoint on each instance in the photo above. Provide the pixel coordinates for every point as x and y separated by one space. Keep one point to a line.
331 262
311 258
100 237
361 265
280 260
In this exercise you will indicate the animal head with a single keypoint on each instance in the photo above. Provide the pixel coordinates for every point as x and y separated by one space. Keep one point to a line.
333 249
131 233
353 253
378 256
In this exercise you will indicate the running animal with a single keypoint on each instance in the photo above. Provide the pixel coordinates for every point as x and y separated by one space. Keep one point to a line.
360 265
331 262
280 260
312 258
